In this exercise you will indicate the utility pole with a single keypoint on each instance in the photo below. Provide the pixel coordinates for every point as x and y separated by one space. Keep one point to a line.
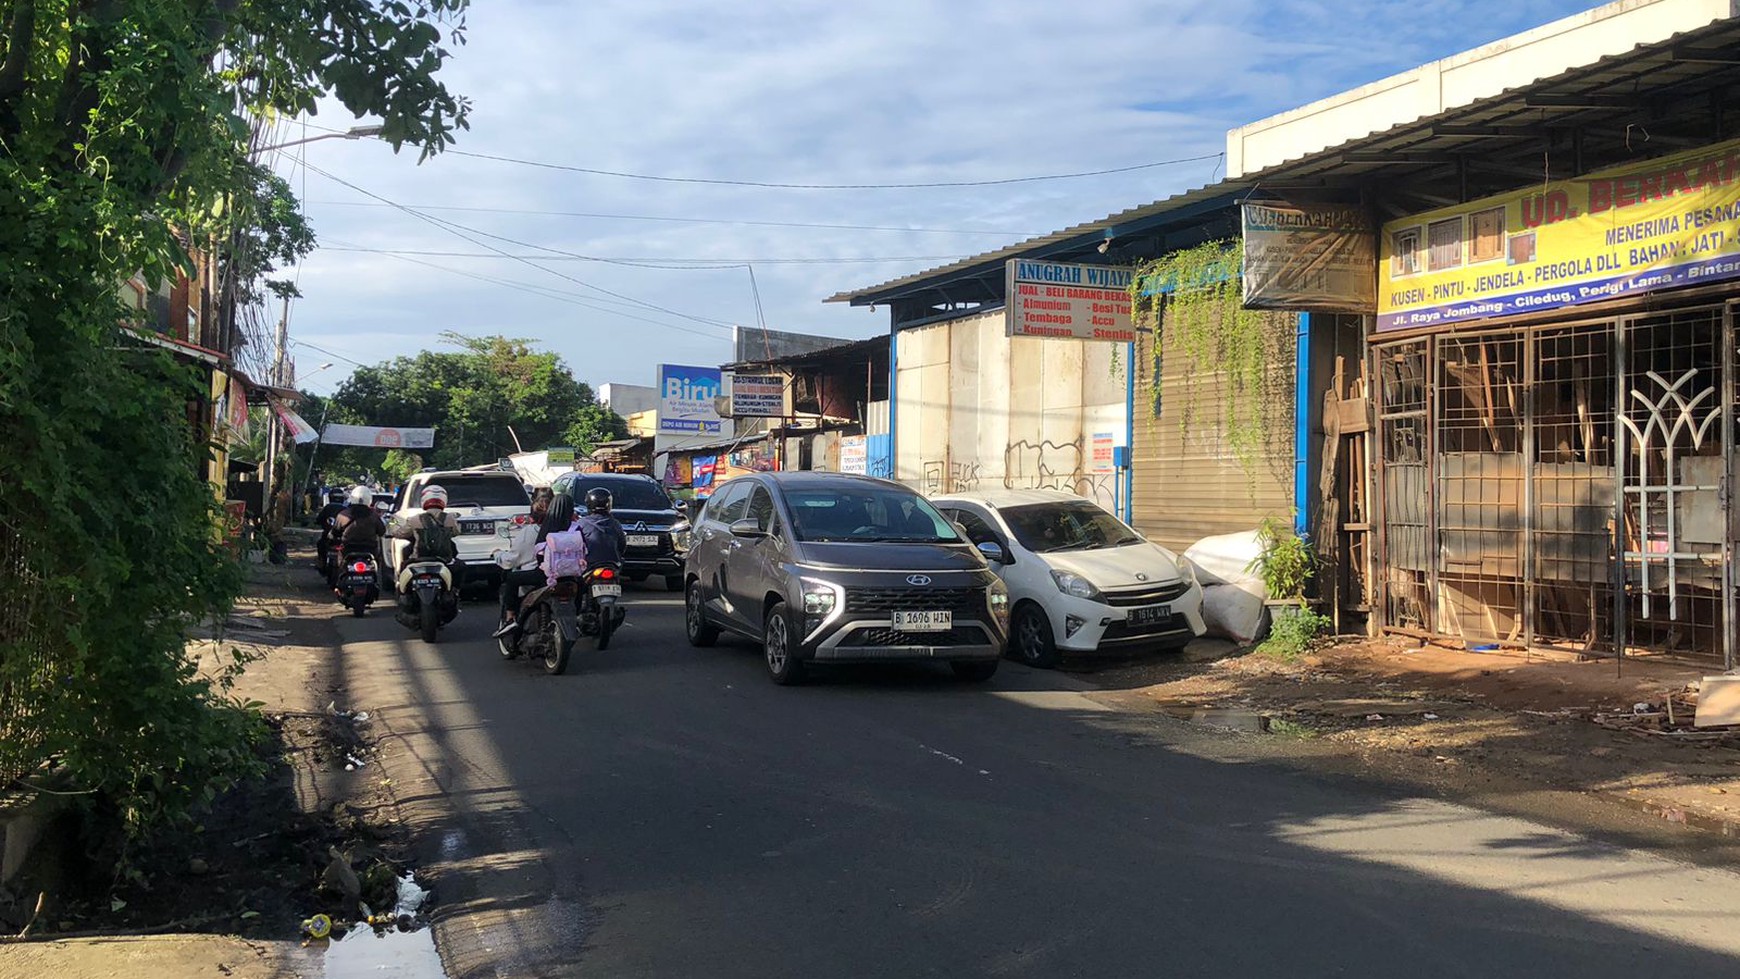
280 373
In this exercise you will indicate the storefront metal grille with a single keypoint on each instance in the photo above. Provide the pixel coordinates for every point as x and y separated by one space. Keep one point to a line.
1563 485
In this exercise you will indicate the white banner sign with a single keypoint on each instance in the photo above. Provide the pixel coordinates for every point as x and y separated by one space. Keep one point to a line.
297 427
855 455
378 438
686 400
757 396
1074 302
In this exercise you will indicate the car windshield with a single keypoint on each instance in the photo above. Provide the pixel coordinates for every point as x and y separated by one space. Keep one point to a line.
625 494
867 514
1071 526
487 491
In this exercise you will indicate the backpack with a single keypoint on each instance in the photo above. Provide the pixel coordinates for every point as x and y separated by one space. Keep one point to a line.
437 539
564 555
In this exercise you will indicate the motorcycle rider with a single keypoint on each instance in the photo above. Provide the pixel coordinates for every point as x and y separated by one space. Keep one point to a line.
328 513
605 538
432 532
558 516
358 528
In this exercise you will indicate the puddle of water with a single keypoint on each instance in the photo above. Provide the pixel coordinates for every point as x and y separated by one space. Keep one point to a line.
454 846
362 954
1248 721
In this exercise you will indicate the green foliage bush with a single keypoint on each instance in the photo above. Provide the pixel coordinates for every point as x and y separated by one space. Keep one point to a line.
1292 632
123 132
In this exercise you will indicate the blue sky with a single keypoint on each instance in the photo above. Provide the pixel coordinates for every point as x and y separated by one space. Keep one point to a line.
796 91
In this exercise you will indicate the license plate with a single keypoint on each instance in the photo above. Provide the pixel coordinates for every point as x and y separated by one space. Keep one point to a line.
924 621
426 579
643 540
604 591
1149 615
477 527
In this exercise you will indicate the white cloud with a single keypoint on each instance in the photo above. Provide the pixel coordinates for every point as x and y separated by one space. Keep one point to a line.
808 91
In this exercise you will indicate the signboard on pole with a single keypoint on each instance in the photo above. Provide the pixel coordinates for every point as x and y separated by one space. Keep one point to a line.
1670 221
378 437
1310 257
757 396
1102 445
1072 302
686 400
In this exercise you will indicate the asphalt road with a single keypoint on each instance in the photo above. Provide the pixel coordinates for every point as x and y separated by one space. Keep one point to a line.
666 811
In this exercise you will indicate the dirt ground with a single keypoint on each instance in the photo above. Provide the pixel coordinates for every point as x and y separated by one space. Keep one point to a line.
1448 716
228 897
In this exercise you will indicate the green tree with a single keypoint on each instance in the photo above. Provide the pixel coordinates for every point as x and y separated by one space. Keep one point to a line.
123 144
594 424
485 400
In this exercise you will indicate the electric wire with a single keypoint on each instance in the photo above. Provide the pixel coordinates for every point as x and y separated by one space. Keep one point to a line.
824 226
459 231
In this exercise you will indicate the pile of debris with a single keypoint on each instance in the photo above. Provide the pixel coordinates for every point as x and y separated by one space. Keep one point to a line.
1706 712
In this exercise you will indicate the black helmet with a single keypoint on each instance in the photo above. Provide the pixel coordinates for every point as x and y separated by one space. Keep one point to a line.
598 500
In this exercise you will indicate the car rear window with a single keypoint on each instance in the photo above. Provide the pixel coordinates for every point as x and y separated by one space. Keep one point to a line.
487 491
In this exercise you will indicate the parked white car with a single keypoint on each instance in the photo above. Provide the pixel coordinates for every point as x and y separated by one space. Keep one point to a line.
1080 580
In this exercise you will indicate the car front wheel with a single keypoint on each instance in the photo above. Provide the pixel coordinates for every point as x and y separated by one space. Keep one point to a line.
700 631
779 648
1031 638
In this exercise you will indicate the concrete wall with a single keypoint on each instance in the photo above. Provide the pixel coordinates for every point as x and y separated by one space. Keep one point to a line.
629 399
1466 78
978 409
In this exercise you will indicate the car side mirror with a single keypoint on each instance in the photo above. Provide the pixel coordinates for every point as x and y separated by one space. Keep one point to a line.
995 553
747 528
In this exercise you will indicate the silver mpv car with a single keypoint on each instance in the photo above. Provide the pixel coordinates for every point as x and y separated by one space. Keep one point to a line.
832 568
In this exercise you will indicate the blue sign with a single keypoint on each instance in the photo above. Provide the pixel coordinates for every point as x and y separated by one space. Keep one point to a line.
686 400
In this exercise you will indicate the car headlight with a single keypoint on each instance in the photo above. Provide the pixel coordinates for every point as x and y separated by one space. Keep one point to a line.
821 598
1186 568
998 598
1074 585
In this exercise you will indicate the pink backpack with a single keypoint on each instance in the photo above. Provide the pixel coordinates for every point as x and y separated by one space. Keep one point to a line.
564 555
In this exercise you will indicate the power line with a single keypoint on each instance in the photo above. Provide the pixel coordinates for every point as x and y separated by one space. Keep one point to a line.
781 185
458 231
655 263
777 185
684 220
543 292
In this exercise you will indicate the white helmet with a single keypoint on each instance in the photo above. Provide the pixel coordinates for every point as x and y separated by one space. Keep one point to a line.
360 494
433 494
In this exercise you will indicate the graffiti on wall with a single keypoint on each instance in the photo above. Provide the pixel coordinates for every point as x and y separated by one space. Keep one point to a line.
1027 465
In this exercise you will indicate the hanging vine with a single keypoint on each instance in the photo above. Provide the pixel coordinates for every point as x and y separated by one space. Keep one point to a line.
1238 363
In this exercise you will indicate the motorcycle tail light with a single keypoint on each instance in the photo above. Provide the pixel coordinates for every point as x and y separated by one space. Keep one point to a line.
361 567
605 574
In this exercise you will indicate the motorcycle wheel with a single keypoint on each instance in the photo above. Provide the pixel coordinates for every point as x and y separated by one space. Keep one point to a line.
429 621
358 609
556 648
606 626
507 645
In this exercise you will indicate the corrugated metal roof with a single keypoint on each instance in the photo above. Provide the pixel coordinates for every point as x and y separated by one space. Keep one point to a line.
1609 89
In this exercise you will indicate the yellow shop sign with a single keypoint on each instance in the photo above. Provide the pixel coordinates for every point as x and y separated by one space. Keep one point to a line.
1672 221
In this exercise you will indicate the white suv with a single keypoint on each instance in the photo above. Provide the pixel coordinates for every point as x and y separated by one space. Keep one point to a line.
1080 580
485 503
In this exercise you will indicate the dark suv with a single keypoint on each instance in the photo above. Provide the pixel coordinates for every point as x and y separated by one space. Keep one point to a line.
823 567
657 531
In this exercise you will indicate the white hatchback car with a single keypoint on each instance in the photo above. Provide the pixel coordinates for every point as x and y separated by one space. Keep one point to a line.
1080 580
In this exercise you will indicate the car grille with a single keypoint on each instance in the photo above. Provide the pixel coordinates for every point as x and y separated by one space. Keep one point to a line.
958 636
871 600
1147 596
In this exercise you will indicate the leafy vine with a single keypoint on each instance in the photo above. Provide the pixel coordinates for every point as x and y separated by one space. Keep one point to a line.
1238 363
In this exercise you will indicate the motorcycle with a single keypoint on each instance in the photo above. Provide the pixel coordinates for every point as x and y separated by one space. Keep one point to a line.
552 618
426 598
358 584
